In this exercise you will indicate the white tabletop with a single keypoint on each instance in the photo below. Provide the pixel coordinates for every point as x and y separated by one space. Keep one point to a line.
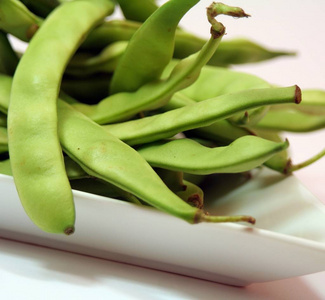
33 272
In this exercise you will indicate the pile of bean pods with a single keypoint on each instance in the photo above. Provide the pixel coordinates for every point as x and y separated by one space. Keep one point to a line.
136 109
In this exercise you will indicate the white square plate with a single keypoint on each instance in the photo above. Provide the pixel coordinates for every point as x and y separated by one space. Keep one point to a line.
288 239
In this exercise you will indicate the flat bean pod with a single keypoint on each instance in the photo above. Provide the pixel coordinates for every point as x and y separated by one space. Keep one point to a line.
137 10
17 20
74 171
32 120
186 155
105 61
291 120
230 52
109 32
280 161
192 194
224 132
121 106
82 181
104 156
200 114
313 103
221 131
214 81
228 82
146 57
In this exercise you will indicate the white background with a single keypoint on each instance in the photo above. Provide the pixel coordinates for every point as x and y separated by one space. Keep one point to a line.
29 272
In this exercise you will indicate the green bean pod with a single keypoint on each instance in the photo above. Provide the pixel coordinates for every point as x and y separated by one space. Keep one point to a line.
313 103
121 106
280 161
192 194
109 32
137 10
82 181
224 132
35 152
221 131
106 61
104 156
17 20
228 81
230 52
186 155
146 56
291 120
74 171
200 114
242 51
250 117
173 180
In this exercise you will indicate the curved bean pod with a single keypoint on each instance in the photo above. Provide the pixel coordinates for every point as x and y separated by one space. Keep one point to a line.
185 155
109 32
229 81
221 131
74 171
137 10
32 118
121 106
105 61
250 117
240 51
192 194
168 124
313 103
230 52
104 156
280 161
146 57
17 20
291 120
82 181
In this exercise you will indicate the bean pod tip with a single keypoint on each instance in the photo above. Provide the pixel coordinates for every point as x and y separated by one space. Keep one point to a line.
297 95
69 230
